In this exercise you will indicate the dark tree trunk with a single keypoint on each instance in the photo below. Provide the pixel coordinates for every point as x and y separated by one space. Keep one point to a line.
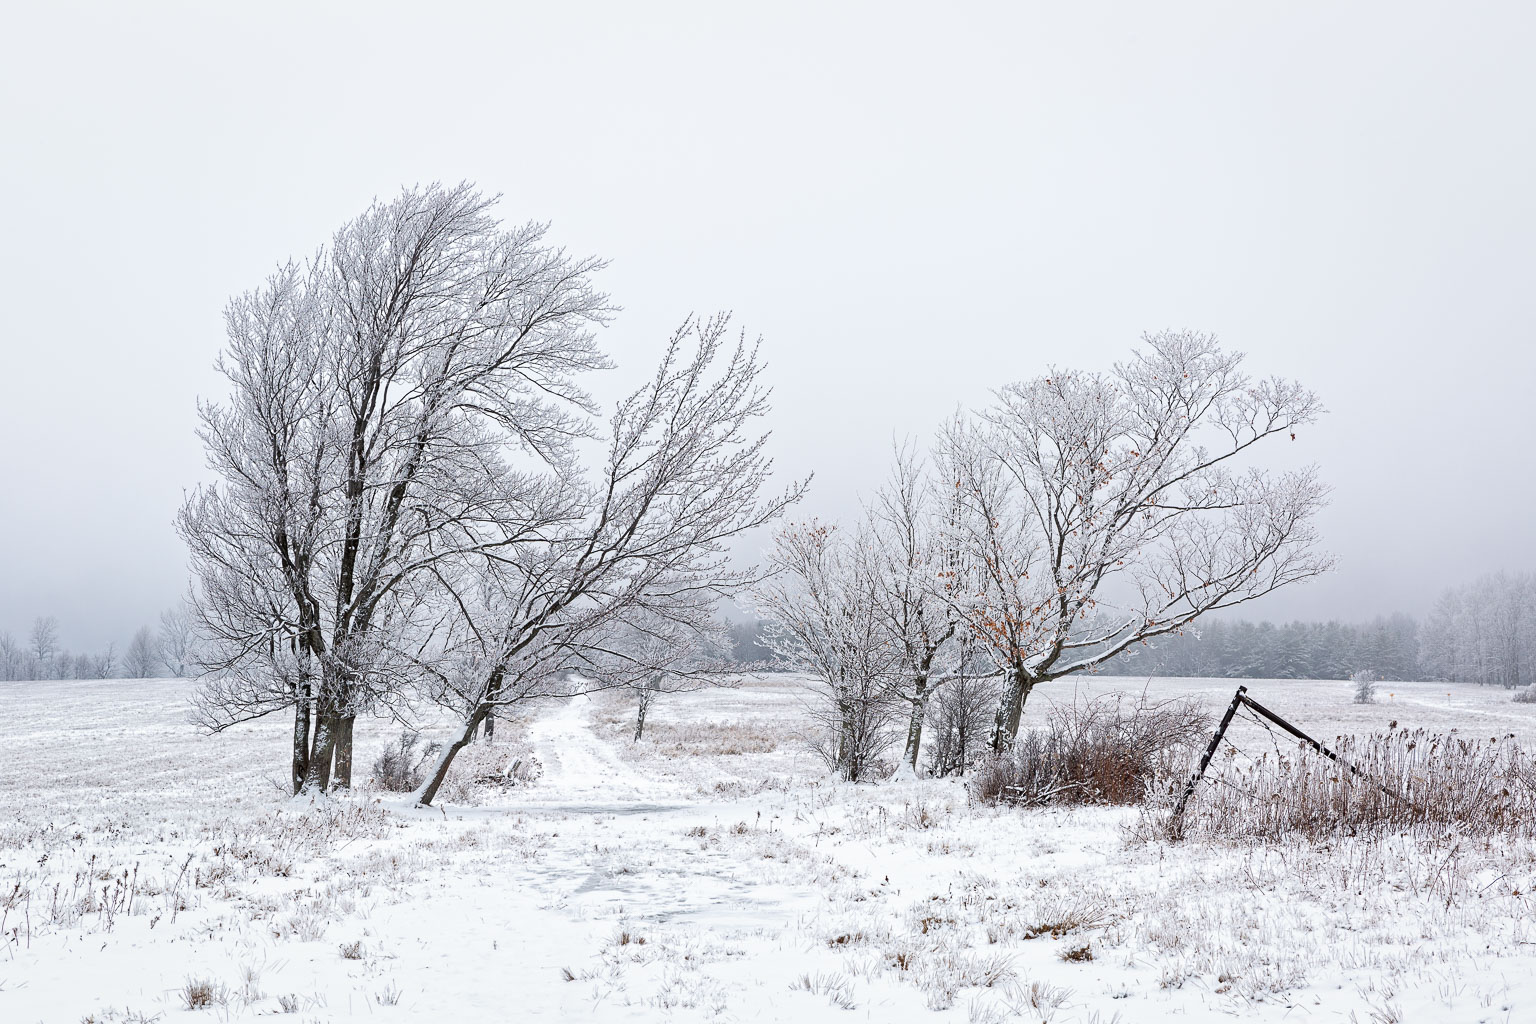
341 778
492 690
300 741
429 791
1010 710
317 779
848 759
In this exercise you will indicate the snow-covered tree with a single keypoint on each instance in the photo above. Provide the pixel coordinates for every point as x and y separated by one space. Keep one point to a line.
1484 632
175 641
961 712
43 645
1107 509
388 402
106 662
914 574
10 657
824 617
614 582
139 660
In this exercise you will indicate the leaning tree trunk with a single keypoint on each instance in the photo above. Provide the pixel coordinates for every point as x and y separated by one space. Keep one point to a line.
915 726
483 711
426 794
1010 710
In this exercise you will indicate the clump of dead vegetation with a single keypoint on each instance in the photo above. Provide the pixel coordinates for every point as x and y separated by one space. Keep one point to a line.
401 767
1106 750
404 766
1399 781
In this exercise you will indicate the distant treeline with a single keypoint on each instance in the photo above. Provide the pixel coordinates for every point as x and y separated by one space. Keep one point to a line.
167 651
1386 647
1484 632
1481 633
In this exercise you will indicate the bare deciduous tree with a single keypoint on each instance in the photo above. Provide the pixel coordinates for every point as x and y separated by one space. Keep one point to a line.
638 551
913 573
1105 509
43 643
139 660
106 662
1484 632
12 657
380 395
175 642
824 618
961 711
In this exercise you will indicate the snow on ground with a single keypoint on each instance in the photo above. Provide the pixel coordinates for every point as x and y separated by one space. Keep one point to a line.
711 873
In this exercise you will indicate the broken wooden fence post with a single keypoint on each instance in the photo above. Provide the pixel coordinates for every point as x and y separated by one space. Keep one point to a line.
1239 699
1210 751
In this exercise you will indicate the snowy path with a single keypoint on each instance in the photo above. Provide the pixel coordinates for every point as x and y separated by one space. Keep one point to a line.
582 772
639 861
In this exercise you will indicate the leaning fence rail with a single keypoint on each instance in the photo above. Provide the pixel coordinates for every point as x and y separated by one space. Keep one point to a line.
1241 699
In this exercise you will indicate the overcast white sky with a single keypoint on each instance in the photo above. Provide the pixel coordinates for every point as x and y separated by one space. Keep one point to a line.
912 205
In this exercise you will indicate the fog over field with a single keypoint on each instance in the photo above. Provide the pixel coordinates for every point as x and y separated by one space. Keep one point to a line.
972 513
913 207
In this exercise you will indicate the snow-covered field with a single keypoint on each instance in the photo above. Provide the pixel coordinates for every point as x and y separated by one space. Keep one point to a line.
710 873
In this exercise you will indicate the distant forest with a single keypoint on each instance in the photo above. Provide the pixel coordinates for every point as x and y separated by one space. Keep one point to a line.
1388 647
1484 632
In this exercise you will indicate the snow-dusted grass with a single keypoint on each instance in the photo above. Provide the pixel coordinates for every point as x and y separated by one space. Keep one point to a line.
711 873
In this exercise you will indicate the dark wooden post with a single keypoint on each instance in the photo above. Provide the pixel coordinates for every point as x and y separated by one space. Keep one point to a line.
1210 751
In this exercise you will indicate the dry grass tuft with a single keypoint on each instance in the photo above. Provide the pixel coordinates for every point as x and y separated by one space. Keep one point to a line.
1409 782
203 993
838 991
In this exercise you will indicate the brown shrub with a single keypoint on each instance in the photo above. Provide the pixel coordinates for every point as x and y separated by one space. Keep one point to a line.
1106 750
